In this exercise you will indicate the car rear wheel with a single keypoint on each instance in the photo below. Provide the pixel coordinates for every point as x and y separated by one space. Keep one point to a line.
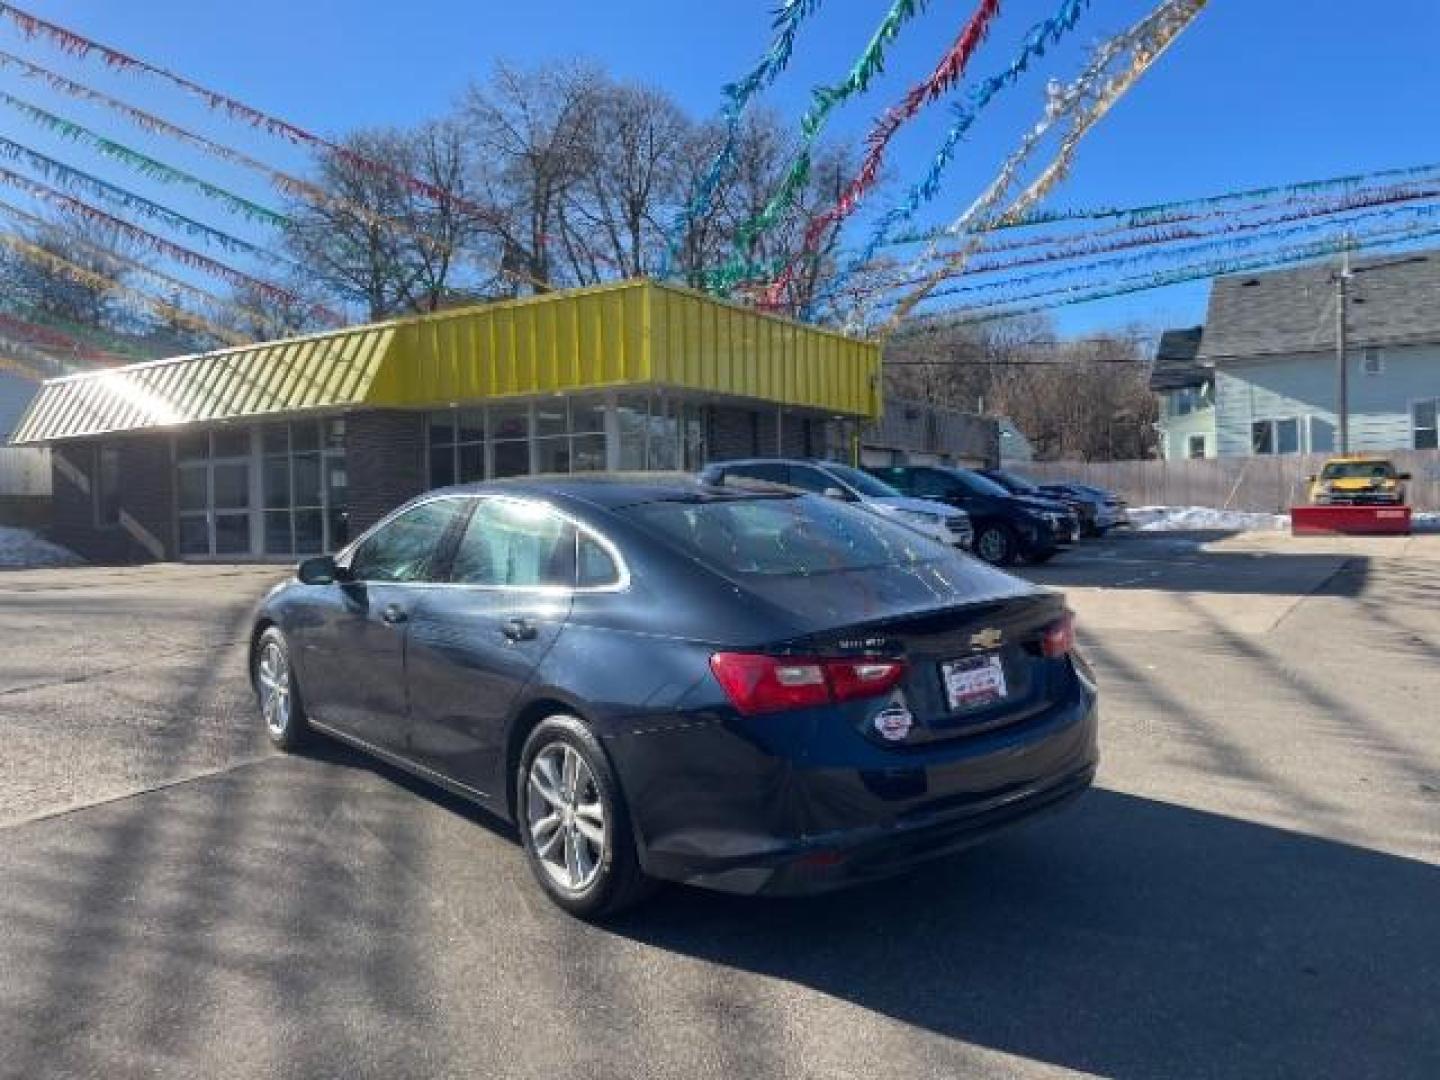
996 545
276 691
573 821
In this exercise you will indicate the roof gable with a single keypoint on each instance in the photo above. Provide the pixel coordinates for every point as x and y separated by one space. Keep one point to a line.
1395 299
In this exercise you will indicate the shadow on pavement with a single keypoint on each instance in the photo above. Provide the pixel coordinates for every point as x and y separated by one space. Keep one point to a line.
1128 938
1179 562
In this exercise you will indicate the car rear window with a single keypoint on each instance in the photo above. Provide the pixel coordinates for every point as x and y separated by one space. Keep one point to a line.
792 537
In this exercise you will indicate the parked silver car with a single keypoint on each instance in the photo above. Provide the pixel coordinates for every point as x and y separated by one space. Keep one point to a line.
935 519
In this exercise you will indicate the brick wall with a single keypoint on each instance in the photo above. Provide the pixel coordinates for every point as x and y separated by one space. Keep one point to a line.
147 498
386 463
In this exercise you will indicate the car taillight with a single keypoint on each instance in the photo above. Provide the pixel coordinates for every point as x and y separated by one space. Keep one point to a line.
756 683
1059 637
869 677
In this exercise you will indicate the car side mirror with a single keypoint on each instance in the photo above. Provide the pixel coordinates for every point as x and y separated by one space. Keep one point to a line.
1403 476
838 493
1311 478
321 570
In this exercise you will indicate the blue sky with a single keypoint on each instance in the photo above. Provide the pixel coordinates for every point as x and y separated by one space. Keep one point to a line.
1257 92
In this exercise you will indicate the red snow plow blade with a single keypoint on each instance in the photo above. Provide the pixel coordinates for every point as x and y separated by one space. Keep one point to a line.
1350 520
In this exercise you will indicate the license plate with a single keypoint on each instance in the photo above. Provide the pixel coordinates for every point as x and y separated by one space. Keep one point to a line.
974 682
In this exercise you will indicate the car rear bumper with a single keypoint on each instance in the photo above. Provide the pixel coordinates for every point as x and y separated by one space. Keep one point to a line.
712 809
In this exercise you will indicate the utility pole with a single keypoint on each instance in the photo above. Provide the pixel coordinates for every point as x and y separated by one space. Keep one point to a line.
1342 375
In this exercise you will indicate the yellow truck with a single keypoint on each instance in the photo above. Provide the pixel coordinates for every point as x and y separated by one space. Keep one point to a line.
1358 480
1356 495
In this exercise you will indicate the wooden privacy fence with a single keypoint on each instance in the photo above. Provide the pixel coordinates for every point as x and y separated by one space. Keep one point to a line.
1262 484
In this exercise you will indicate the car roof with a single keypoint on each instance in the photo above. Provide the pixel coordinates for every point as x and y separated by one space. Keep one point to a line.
611 490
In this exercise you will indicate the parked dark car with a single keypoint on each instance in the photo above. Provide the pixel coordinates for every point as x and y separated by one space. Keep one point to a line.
1108 511
1083 509
852 485
1008 527
1095 513
753 691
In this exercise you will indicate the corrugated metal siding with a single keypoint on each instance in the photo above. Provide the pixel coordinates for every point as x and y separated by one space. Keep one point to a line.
279 377
543 344
633 333
705 345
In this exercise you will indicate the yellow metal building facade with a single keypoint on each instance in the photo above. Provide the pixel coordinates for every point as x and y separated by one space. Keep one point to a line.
283 448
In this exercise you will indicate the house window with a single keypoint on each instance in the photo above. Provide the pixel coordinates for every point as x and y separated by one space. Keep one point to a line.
1372 362
1423 415
107 486
305 487
1275 436
1195 447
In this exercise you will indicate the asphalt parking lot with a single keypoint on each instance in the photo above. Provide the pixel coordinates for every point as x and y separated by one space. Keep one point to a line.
1252 890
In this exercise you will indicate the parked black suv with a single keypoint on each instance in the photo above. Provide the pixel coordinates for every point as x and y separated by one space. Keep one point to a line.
1007 527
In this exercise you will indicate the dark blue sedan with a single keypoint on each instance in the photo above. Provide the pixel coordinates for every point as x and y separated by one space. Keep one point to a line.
758 691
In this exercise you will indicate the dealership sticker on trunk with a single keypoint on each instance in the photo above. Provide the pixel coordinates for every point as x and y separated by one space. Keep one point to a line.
974 681
895 720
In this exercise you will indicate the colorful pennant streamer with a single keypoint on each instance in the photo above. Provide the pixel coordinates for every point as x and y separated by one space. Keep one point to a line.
738 96
936 85
1165 212
75 178
142 163
1189 251
78 45
161 246
1040 37
1199 272
824 101
1089 246
28 333
94 280
1089 103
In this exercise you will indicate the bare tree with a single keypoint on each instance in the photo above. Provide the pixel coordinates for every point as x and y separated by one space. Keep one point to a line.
40 280
530 132
376 239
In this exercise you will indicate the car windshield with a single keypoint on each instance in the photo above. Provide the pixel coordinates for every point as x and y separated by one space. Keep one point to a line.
863 482
980 485
1358 470
790 537
1017 484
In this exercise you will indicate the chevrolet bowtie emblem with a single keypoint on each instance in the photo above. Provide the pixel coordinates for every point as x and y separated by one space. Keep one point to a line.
986 639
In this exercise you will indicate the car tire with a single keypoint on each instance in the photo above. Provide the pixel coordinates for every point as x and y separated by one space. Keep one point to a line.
277 692
996 545
584 856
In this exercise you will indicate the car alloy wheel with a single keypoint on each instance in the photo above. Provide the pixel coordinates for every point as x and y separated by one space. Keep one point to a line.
565 814
993 545
272 676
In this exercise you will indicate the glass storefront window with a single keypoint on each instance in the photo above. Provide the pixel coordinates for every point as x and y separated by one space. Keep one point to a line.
632 415
230 443
279 487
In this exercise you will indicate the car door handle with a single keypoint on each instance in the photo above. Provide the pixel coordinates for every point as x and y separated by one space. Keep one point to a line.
394 614
518 629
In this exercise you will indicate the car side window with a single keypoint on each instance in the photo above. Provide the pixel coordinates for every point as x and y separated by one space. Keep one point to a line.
929 485
406 548
596 568
802 476
761 470
515 545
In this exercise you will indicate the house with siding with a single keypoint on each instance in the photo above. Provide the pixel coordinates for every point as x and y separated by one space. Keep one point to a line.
1269 346
1186 391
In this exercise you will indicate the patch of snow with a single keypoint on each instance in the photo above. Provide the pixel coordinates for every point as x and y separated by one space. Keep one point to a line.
21 547
1199 518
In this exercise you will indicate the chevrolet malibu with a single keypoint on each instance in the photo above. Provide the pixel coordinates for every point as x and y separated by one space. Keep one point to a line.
756 691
